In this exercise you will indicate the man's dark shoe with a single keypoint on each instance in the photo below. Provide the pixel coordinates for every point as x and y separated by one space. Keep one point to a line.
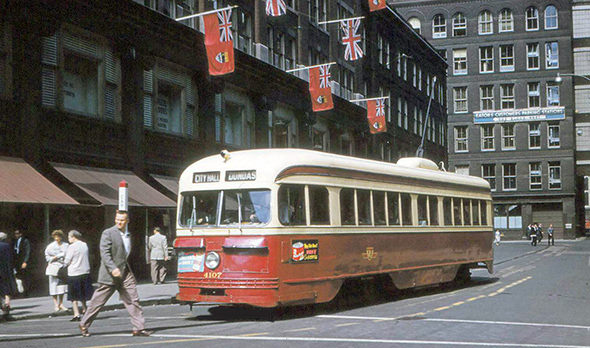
142 333
84 331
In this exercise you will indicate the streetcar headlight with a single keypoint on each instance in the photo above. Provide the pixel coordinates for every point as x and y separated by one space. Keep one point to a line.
212 260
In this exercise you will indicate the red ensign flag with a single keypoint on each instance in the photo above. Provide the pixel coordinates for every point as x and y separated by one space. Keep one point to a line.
219 42
376 115
375 5
320 88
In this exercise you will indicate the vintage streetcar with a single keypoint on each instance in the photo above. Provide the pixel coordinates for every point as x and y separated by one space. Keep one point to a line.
276 227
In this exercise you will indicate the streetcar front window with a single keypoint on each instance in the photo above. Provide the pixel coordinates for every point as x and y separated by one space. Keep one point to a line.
238 207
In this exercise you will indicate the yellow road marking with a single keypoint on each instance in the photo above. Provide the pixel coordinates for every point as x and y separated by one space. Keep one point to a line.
458 303
346 324
254 334
302 329
442 308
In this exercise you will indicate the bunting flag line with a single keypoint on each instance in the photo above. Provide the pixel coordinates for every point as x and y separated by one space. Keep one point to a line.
376 115
320 88
375 5
275 8
219 42
351 39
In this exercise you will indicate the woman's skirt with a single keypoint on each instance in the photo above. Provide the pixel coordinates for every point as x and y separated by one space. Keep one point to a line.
80 288
7 285
55 288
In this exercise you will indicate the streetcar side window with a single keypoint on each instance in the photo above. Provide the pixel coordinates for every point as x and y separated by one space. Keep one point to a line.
319 205
292 205
466 212
457 214
393 208
406 201
379 207
363 198
347 207
475 211
483 211
433 210
422 212
448 211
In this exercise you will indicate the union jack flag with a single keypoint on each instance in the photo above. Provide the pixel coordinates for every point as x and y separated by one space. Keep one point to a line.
325 76
275 8
380 107
351 39
225 25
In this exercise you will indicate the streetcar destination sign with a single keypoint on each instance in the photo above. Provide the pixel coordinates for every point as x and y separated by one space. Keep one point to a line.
200 178
240 175
519 115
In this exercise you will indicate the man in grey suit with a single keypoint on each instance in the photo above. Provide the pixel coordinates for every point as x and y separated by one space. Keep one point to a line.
158 249
115 274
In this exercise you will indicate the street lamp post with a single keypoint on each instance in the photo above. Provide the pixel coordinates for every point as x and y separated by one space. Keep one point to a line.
558 78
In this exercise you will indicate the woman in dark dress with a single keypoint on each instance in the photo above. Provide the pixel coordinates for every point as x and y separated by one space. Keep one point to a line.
7 281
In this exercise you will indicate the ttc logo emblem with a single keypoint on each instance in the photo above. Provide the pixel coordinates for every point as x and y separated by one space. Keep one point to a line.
370 254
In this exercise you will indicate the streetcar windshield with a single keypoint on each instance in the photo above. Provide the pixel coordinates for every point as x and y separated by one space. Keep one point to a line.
236 208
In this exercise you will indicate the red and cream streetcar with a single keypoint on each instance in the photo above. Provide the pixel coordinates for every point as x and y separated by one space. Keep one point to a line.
277 227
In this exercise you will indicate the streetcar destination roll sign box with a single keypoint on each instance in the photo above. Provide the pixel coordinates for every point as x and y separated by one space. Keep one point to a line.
240 175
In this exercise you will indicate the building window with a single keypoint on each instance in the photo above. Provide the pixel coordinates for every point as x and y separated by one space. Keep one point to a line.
506 58
234 117
534 135
552 55
535 177
554 175
459 24
486 59
553 136
319 140
587 192
461 139
551 21
507 96
460 61
81 75
552 95
506 21
532 50
460 99
509 176
317 11
532 19
488 172
243 30
508 139
486 97
534 100
415 24
487 137
439 27
486 23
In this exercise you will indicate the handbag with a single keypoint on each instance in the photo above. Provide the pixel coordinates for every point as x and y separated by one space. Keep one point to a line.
62 275
52 269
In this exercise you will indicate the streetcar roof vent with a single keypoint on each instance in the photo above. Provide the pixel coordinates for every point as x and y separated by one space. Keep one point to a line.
417 162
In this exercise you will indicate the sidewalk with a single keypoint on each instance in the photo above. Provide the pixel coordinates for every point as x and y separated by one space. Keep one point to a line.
42 307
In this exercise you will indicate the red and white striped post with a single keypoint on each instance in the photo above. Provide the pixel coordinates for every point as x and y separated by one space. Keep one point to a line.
123 195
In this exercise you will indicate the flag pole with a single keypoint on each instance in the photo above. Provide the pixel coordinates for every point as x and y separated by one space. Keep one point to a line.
340 20
205 13
309 67
366 99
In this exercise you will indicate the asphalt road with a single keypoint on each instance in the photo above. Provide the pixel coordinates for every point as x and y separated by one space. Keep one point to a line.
537 297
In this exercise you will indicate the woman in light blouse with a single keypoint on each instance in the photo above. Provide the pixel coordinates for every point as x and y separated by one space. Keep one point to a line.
79 282
54 255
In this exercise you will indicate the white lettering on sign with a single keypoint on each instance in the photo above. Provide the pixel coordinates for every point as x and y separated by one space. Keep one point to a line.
240 175
199 178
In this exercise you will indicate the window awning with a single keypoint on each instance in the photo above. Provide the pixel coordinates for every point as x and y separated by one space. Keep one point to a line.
168 182
103 185
21 183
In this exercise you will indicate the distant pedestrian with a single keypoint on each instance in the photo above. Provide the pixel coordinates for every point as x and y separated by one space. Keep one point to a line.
115 274
54 255
22 253
158 250
550 239
79 283
7 281
529 231
498 236
534 235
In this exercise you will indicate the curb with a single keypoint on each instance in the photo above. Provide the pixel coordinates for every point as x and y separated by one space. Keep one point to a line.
152 302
